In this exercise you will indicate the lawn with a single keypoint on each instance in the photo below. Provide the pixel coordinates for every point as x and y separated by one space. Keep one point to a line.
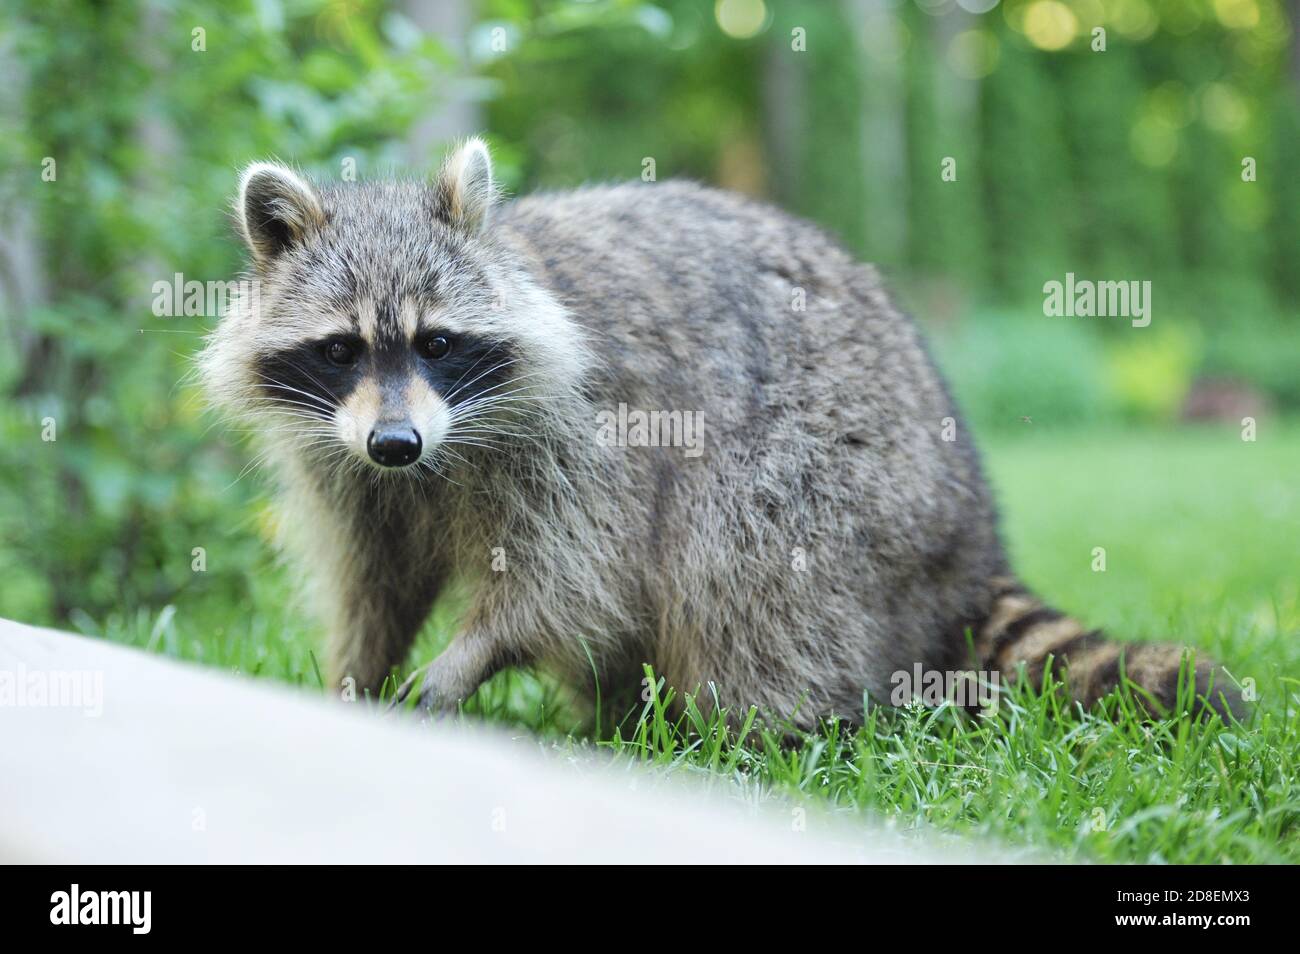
1201 533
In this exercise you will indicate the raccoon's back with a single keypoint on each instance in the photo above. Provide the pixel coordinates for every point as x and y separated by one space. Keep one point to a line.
814 387
702 299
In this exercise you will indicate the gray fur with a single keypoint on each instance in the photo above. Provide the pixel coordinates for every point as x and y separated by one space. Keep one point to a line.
823 448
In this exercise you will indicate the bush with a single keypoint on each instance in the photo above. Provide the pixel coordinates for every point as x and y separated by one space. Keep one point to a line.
1005 367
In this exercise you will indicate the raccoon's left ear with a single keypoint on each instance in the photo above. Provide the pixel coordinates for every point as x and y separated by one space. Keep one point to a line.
463 191
277 208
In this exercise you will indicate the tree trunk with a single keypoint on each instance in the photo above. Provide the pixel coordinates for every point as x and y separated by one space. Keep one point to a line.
452 112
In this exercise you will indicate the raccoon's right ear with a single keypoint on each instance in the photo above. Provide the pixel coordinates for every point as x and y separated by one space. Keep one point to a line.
463 191
277 209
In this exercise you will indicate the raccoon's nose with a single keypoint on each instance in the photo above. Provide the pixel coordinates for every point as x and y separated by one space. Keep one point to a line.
393 446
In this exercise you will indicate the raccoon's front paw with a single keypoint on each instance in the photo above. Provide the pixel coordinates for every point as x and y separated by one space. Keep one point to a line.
428 696
454 676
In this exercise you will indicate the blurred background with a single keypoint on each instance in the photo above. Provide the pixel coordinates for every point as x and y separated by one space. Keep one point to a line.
1165 148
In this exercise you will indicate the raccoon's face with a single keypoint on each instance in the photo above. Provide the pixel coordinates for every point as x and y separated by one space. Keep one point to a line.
387 329
393 389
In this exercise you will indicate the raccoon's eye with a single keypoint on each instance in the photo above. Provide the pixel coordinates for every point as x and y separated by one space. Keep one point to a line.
435 347
340 353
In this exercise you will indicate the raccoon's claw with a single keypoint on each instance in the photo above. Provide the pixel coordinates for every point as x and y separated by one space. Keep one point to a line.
430 700
404 690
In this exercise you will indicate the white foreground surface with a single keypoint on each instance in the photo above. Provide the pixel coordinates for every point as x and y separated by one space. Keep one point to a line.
184 764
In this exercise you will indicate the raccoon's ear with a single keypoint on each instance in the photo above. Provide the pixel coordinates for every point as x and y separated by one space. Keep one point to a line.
277 208
463 192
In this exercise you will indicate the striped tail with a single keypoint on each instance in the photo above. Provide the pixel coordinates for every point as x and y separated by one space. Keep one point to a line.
1020 629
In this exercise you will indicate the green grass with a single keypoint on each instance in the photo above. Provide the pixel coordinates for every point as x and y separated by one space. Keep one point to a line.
1202 540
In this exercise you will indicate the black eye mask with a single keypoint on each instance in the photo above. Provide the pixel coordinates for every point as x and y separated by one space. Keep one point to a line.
303 378
472 367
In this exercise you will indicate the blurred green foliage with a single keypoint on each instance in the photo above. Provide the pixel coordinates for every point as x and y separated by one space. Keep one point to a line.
1123 164
146 133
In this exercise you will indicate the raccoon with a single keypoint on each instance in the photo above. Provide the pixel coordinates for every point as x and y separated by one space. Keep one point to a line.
428 371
